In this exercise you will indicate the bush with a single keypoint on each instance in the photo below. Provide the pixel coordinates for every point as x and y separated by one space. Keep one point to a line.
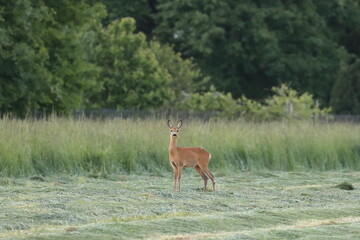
286 103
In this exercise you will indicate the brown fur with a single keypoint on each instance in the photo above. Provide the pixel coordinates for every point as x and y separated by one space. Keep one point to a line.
181 157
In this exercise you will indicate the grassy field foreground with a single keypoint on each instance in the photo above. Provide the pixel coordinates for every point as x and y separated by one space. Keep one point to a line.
264 205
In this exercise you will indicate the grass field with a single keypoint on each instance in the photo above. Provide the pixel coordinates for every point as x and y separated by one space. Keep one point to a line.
57 146
263 205
84 179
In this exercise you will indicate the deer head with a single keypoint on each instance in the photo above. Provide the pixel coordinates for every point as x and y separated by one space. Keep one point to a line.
174 130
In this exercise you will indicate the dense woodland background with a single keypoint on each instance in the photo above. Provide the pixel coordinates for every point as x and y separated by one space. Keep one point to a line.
236 57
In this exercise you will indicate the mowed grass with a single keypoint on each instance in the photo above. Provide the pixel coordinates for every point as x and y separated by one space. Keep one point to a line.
83 179
133 146
246 205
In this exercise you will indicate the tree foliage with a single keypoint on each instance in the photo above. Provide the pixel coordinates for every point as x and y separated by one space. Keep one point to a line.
285 103
24 77
213 101
247 47
185 76
141 10
132 77
43 59
345 94
57 56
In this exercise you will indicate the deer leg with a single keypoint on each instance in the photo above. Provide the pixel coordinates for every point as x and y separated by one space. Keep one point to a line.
175 175
204 177
208 173
179 175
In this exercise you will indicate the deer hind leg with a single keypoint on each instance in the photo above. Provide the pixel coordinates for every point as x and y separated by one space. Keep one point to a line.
202 174
209 174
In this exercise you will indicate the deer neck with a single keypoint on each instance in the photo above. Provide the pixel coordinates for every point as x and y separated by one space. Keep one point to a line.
172 145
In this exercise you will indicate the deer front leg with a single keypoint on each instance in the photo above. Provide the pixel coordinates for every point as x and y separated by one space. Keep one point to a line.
175 175
179 175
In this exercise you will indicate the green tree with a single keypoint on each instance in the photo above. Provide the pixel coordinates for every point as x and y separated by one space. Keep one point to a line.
132 77
345 97
249 46
74 76
343 21
223 104
141 10
185 76
24 76
44 63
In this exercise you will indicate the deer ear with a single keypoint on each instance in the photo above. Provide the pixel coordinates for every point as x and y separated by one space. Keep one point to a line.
169 123
179 124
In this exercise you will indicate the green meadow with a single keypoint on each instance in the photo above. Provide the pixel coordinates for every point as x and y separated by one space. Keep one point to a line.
58 145
111 179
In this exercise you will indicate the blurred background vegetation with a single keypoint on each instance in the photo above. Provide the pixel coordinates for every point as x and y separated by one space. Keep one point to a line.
256 59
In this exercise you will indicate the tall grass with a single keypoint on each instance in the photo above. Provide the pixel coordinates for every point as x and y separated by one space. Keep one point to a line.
60 145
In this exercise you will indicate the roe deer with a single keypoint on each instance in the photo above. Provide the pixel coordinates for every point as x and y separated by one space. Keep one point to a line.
180 157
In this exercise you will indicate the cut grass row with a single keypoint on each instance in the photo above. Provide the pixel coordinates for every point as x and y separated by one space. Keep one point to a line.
263 205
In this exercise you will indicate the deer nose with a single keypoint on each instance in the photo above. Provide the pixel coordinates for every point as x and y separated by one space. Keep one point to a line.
174 134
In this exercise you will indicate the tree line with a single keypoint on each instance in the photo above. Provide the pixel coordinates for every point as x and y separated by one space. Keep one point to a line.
57 56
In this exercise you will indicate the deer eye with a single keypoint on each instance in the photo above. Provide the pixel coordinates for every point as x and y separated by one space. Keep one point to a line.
177 130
